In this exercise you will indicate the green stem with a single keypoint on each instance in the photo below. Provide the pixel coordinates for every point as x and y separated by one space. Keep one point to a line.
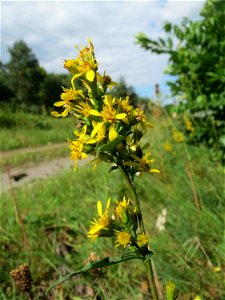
135 197
149 270
148 263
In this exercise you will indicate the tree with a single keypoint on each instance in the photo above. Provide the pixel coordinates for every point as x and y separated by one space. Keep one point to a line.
5 92
51 88
24 74
198 62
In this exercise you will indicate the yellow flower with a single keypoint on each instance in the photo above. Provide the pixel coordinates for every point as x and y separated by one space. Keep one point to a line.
217 269
84 65
197 297
167 146
83 108
140 117
143 163
66 97
189 126
178 136
109 115
171 293
142 240
123 238
76 148
124 105
121 207
71 65
100 227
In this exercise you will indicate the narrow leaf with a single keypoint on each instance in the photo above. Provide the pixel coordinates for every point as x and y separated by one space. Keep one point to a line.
107 261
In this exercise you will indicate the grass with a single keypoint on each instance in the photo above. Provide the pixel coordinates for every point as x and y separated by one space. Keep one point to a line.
58 211
34 157
20 129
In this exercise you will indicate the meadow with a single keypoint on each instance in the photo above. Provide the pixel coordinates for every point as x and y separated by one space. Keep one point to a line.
57 211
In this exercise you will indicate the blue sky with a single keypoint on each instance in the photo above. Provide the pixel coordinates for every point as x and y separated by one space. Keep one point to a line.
52 28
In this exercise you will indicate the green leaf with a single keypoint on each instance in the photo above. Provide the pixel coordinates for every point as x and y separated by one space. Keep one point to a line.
107 261
146 146
170 43
162 41
167 27
109 146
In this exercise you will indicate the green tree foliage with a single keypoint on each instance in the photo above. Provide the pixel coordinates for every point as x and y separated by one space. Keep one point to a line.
24 74
24 83
198 62
5 92
51 88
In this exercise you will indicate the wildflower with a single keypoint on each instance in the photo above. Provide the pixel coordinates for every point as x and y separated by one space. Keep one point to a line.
189 126
84 65
142 240
124 105
121 208
197 297
161 220
167 146
217 269
178 136
171 293
123 238
144 163
140 118
66 97
77 152
101 226
84 109
109 115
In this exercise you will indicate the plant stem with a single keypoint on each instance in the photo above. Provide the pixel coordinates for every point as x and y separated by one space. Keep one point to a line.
150 275
135 197
148 263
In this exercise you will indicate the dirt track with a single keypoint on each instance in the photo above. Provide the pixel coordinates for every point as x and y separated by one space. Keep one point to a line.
29 173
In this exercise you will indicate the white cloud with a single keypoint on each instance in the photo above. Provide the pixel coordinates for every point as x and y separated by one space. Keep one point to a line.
52 28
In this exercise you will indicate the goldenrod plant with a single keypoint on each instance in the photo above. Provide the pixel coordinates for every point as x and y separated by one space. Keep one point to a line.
109 130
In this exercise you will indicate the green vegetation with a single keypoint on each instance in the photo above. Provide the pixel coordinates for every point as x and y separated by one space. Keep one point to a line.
197 63
24 83
34 156
57 214
21 129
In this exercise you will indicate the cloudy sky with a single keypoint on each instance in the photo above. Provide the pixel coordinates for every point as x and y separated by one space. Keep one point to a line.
52 28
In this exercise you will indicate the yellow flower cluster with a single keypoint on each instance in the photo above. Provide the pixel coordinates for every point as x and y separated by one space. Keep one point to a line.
188 124
178 136
167 146
105 127
122 224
